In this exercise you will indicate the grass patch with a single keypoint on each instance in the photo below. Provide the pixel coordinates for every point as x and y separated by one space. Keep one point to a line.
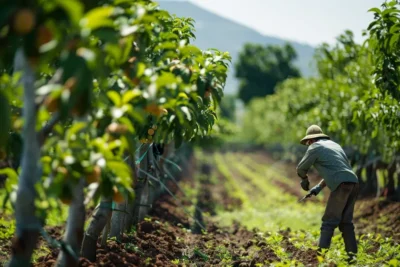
271 209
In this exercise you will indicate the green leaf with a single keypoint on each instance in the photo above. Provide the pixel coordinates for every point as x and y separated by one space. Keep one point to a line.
128 123
120 169
375 10
129 95
395 28
113 51
140 69
186 111
109 35
394 38
12 177
165 79
98 18
126 49
73 8
128 30
190 50
76 127
115 98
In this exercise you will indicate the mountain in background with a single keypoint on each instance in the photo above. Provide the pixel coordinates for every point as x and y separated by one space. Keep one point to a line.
214 31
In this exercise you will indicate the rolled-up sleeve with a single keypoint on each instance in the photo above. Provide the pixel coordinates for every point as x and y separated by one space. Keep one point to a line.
307 161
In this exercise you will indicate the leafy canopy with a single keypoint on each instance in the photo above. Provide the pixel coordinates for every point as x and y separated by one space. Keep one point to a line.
260 68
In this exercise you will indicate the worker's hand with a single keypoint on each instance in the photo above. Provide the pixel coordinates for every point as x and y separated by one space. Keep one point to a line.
316 189
305 184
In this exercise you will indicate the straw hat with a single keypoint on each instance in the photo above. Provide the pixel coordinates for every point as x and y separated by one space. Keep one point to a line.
314 131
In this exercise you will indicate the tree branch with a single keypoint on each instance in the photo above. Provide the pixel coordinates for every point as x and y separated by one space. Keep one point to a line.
46 130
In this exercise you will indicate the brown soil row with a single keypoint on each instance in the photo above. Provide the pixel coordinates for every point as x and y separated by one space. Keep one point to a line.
165 239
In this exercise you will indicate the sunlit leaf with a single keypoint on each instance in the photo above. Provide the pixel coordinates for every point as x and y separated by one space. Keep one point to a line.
74 8
97 18
115 98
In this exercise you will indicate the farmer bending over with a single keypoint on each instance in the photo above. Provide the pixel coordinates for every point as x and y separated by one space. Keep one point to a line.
332 164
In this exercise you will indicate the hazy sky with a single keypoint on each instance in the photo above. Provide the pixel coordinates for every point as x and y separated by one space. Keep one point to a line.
306 21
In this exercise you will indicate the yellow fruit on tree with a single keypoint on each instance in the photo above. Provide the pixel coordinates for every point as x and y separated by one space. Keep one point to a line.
154 109
150 131
94 176
18 123
117 196
24 21
154 127
117 128
62 170
51 103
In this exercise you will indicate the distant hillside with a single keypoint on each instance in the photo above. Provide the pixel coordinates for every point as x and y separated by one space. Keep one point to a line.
214 31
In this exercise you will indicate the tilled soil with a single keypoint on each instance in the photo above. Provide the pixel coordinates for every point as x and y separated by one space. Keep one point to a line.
168 238
378 216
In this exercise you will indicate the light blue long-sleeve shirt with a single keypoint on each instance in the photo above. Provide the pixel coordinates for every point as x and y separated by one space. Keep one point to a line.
330 161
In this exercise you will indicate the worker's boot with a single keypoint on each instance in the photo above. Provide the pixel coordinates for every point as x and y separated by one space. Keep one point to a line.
324 240
350 242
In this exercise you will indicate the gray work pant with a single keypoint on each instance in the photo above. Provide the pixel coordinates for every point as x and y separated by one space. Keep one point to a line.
339 212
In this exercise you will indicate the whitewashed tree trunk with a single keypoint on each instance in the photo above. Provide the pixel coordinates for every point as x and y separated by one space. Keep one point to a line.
27 224
75 227
98 222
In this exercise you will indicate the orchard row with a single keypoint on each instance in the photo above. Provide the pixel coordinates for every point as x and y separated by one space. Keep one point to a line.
84 86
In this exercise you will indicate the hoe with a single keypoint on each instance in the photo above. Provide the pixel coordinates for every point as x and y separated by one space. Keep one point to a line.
306 196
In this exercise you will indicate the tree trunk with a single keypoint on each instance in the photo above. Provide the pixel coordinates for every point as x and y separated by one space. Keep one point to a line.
160 174
130 206
75 228
398 176
128 222
359 176
117 221
143 202
106 230
391 190
360 170
142 188
122 218
371 185
398 185
98 221
28 224
153 186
